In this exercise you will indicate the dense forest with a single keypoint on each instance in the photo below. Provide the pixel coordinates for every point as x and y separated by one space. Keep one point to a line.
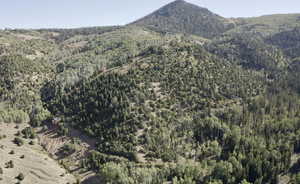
175 97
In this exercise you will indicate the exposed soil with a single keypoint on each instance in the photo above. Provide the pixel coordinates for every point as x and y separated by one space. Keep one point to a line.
37 166
53 143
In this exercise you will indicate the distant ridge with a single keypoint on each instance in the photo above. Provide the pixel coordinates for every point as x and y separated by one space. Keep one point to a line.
183 17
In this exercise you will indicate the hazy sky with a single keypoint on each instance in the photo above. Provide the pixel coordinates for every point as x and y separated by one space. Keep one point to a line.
82 13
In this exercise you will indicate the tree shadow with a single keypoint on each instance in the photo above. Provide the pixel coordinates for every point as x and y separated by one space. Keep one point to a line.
295 167
92 180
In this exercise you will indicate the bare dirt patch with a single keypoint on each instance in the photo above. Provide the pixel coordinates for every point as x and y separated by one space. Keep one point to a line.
37 166
26 37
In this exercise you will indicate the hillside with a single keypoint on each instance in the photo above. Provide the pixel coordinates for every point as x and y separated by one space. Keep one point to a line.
171 103
249 51
179 96
288 41
266 25
30 160
183 17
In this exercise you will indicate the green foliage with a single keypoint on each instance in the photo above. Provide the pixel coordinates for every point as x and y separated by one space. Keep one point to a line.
245 182
95 160
13 116
18 141
115 173
104 102
223 172
2 136
125 173
38 115
210 129
297 180
63 130
29 132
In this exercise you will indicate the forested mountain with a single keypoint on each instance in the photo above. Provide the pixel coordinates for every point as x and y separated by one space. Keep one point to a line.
183 17
180 96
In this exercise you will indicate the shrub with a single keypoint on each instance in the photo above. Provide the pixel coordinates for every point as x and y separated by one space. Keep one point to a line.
12 152
28 132
68 149
38 115
13 116
115 173
2 137
63 131
20 177
9 164
18 141
18 133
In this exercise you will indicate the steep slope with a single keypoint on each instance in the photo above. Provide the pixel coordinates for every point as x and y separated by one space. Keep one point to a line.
180 16
118 102
292 77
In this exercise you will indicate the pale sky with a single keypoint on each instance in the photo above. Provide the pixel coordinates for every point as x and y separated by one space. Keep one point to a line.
85 13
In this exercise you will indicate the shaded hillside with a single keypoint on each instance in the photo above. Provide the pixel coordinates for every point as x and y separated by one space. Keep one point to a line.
292 76
249 51
184 17
288 41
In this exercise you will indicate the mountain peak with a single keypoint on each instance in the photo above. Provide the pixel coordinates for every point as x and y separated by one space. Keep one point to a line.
179 1
182 17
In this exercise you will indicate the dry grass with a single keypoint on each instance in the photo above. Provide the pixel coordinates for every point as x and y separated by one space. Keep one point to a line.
37 166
